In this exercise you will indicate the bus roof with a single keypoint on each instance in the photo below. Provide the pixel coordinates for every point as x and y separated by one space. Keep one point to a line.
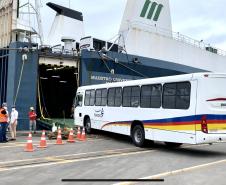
168 79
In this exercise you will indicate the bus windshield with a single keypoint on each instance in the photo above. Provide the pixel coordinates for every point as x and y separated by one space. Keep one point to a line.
78 100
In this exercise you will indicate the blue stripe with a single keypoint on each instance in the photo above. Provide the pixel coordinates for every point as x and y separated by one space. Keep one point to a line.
181 119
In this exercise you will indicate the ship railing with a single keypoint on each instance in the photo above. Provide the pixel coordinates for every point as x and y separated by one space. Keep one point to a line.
58 49
176 36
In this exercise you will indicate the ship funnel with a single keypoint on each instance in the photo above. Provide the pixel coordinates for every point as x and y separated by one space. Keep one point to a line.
147 12
68 44
142 17
67 23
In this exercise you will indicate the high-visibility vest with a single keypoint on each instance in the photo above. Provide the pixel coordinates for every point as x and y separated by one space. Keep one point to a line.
3 117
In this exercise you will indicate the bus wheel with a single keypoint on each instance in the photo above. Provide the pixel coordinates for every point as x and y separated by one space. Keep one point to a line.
138 136
173 145
88 126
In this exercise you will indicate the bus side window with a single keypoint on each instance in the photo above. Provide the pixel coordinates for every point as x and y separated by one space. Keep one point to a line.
183 95
98 97
115 97
151 96
90 98
101 97
176 95
104 97
118 97
169 96
111 97
135 96
131 96
156 96
145 101
126 101
87 98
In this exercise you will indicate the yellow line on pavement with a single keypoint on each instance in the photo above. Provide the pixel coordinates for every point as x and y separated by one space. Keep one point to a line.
61 156
35 143
185 169
107 151
175 172
54 159
72 161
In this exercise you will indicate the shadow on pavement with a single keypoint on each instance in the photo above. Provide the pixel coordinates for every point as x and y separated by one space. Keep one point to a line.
189 150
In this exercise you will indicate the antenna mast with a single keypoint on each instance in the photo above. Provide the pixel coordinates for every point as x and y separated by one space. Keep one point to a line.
39 20
28 27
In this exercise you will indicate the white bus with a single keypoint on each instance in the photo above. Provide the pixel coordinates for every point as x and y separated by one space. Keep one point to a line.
178 109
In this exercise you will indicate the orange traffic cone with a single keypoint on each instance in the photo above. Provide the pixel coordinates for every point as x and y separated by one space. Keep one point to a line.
83 136
43 140
79 133
59 138
71 137
29 145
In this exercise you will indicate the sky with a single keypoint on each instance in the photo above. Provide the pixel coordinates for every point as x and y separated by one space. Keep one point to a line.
199 19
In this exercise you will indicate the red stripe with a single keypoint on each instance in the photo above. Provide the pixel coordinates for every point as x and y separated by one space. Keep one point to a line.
217 99
216 121
171 123
186 123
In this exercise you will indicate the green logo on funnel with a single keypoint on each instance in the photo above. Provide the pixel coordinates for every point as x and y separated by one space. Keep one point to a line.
154 10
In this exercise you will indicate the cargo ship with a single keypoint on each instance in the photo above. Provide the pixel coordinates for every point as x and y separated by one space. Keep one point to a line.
146 47
47 76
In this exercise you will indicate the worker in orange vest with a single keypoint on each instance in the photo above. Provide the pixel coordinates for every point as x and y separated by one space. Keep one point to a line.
3 123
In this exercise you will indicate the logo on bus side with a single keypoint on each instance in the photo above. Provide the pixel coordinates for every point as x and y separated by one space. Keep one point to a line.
99 113
154 11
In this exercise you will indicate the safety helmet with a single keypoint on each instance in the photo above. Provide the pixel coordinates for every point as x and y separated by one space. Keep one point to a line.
32 108
4 105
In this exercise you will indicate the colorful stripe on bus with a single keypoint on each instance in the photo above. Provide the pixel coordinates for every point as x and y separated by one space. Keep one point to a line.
189 123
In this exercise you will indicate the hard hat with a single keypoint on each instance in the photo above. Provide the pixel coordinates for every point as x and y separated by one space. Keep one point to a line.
32 108
4 105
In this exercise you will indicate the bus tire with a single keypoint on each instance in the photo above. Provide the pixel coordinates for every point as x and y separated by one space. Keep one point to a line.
138 136
173 145
87 125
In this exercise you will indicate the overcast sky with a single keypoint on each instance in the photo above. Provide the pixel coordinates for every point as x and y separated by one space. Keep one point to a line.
199 19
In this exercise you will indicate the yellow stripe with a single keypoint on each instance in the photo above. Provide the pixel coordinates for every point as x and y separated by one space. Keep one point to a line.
213 126
173 127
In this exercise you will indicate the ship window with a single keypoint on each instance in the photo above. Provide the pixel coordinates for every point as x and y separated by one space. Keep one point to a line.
90 98
131 96
176 95
151 96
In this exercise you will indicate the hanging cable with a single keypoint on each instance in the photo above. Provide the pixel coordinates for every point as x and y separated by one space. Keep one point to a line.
132 70
43 99
124 66
40 103
19 83
124 46
104 62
